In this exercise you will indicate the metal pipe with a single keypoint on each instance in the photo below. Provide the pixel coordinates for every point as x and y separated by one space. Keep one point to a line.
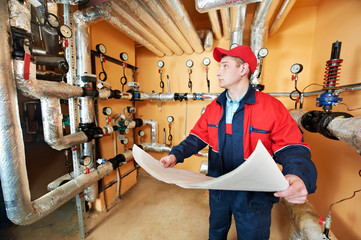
161 15
154 129
259 29
238 18
137 26
140 12
40 89
176 9
52 124
206 5
13 174
207 37
281 16
216 26
225 22
347 130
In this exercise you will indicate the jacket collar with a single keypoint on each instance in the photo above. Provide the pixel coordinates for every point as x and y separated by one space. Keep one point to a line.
249 97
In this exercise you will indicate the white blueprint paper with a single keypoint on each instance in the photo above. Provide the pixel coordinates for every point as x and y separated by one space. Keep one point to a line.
258 173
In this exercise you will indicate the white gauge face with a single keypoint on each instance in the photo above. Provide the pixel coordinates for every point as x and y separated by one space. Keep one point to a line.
170 119
206 61
141 133
53 20
124 56
86 160
296 68
262 52
125 141
107 111
189 63
160 64
65 31
101 48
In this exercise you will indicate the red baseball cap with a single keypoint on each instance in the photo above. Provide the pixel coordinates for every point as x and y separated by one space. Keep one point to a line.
243 52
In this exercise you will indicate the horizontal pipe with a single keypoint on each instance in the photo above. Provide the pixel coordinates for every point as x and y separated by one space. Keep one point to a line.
207 5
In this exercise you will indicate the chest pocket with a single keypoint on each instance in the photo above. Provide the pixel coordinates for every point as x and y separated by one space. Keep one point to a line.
262 134
213 136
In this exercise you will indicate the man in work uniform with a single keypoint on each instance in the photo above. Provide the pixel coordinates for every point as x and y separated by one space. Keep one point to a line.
231 125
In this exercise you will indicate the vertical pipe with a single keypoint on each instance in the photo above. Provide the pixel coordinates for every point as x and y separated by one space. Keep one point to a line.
238 18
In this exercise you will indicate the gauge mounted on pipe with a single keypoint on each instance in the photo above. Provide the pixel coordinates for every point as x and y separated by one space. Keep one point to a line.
52 20
170 119
263 52
85 160
124 141
124 56
101 48
141 133
189 63
160 64
65 31
206 61
107 111
296 68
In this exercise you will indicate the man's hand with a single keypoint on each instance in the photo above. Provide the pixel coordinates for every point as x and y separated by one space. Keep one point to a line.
168 161
296 191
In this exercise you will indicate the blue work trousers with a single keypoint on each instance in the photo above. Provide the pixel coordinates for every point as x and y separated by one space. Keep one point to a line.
252 222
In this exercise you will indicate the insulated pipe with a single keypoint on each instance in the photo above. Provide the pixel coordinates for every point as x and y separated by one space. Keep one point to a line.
137 26
72 2
206 5
281 16
13 174
259 29
40 89
207 37
176 9
52 124
297 115
238 18
154 130
161 15
113 19
225 22
216 26
140 12
348 130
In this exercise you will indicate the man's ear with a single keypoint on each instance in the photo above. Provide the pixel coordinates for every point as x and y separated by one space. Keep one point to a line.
244 69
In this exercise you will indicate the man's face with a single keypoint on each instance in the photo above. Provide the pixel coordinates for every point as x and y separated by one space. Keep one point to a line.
229 73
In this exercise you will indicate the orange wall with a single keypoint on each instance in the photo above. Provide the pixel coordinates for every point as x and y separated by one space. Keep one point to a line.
305 37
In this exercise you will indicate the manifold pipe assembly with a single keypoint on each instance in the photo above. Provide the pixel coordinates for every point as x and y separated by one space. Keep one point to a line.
19 207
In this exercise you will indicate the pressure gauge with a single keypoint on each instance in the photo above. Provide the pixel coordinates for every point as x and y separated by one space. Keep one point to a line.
160 64
107 111
170 119
101 48
124 141
53 20
141 133
65 31
262 52
85 160
206 61
296 68
124 56
189 63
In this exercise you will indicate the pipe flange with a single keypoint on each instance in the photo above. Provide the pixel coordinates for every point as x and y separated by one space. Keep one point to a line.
310 120
326 119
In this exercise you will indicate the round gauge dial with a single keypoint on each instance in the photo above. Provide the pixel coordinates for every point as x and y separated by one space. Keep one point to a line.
124 56
53 20
296 68
189 63
107 111
170 119
101 48
65 31
206 61
141 133
262 52
125 141
85 160
160 64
